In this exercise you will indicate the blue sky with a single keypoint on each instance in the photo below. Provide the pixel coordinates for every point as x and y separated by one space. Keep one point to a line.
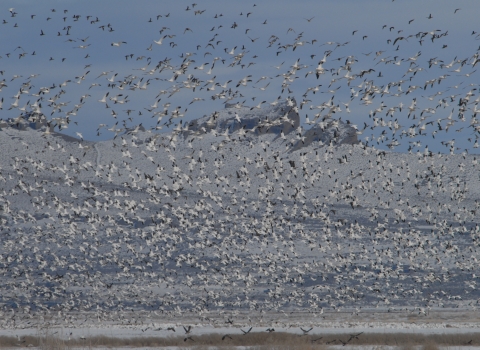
355 30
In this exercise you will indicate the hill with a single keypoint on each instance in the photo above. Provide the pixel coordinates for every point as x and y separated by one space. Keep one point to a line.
241 212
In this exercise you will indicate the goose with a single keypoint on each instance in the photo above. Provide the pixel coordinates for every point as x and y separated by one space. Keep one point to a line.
246 332
159 41
104 98
305 331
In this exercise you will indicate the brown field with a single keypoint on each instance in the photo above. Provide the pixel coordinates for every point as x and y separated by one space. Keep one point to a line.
258 340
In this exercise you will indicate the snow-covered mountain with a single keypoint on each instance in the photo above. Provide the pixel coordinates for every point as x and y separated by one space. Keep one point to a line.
280 119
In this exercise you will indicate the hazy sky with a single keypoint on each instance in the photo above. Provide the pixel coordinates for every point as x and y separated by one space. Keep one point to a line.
71 42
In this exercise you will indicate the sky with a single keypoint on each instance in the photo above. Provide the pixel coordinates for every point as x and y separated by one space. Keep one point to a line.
54 53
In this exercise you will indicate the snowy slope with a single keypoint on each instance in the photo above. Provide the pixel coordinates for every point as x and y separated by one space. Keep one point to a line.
215 220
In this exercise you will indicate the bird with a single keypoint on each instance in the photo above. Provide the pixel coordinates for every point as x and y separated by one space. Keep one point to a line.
305 331
104 98
246 332
159 42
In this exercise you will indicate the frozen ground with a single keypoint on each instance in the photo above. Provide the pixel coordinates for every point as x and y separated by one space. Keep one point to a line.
380 334
338 324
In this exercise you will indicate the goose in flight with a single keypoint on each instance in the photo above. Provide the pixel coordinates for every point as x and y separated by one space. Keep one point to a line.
159 41
305 331
246 332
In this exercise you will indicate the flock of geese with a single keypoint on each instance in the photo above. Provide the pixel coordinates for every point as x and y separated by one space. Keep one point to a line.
168 219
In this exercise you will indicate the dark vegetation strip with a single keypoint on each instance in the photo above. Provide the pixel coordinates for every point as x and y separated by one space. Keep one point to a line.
280 340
